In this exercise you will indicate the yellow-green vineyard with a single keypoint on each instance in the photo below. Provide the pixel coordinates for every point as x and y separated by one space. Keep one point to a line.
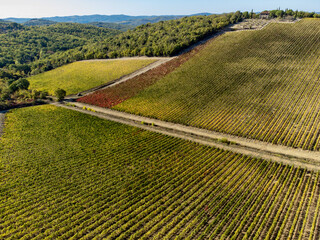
80 76
257 84
66 175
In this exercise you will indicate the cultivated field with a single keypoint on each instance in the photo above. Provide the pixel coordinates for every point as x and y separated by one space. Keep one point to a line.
66 175
116 94
81 76
256 84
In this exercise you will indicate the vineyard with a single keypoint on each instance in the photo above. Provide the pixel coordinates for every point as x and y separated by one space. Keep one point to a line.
67 175
257 84
80 76
119 93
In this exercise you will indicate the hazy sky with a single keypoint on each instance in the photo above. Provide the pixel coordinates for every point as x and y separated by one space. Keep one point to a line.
48 8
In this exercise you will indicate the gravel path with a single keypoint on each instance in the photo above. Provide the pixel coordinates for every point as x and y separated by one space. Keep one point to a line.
254 148
161 60
126 58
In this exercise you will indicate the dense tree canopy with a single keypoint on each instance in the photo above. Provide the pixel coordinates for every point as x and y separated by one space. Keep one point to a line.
21 45
118 26
296 14
164 38
9 26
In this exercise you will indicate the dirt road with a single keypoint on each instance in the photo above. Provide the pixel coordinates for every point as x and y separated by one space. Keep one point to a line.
254 148
127 58
161 60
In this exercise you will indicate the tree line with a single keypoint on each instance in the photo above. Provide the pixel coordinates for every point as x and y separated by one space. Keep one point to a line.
278 13
165 38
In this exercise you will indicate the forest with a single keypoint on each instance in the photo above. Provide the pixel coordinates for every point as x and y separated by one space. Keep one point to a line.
30 50
165 38
22 45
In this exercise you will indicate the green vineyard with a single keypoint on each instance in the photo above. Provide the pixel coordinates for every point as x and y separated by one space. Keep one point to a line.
67 175
262 85
80 76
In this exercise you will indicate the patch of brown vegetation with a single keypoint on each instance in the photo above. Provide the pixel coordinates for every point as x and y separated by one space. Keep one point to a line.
112 96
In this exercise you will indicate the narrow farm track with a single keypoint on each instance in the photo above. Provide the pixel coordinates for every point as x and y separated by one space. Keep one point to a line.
258 149
161 60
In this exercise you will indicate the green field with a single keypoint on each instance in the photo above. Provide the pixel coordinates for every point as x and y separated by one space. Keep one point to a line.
256 84
67 175
81 76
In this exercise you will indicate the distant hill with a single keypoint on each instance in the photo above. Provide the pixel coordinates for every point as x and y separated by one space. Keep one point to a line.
122 19
152 19
17 20
39 22
116 26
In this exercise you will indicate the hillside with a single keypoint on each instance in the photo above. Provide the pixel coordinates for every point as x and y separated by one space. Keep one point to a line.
70 175
159 39
23 45
80 76
256 84
33 50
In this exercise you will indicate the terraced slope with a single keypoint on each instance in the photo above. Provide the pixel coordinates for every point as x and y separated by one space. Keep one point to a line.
68 175
81 76
256 84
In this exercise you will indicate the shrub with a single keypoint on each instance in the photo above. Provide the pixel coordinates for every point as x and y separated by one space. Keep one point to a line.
60 94
21 84
43 94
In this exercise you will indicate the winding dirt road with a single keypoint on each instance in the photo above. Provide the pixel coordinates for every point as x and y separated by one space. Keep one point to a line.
254 148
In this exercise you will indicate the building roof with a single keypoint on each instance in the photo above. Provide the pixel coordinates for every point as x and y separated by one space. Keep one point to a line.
265 13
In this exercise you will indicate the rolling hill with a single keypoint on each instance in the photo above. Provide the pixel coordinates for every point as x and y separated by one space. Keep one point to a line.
39 22
256 84
33 50
123 19
164 38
